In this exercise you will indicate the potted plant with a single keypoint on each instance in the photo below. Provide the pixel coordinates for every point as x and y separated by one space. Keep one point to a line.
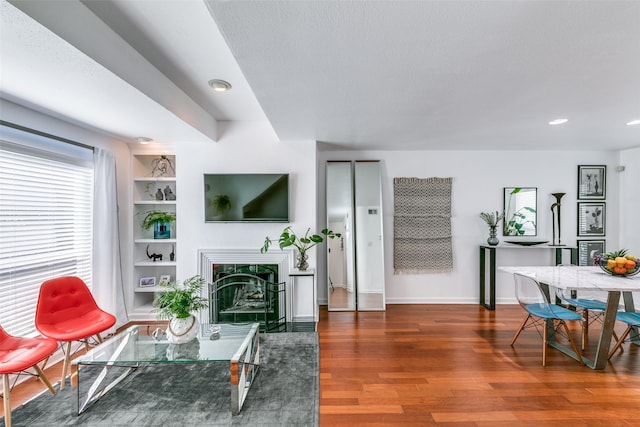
178 303
222 203
302 244
160 221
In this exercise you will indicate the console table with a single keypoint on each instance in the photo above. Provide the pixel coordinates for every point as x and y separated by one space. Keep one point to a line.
491 305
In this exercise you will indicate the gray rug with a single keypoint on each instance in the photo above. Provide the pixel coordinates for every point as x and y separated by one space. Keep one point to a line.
285 393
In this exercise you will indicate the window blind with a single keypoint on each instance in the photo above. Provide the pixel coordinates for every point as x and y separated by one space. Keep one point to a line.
46 198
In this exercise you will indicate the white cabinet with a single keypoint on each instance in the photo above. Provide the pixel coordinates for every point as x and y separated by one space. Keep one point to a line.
154 251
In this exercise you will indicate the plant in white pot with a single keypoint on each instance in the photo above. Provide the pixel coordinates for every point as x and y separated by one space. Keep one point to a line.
178 303
302 244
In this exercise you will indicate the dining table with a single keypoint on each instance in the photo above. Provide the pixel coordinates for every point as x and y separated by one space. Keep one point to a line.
586 278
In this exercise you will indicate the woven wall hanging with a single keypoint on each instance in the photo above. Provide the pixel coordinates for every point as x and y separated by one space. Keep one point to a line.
422 225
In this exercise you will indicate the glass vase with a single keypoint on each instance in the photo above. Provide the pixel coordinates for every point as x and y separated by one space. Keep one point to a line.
493 239
301 261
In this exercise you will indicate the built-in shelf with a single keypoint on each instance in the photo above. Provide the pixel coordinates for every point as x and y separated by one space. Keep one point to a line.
145 189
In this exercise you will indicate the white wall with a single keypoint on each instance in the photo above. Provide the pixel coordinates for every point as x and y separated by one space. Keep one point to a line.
478 180
630 200
246 147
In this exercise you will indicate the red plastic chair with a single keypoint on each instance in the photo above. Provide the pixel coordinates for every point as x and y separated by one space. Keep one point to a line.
67 312
17 354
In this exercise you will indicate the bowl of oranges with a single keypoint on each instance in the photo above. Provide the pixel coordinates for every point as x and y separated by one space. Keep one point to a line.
618 263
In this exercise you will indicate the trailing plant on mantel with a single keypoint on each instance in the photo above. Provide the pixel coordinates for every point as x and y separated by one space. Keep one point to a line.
288 238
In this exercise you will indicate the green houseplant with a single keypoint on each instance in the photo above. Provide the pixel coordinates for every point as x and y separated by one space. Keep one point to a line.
222 203
177 303
160 221
302 243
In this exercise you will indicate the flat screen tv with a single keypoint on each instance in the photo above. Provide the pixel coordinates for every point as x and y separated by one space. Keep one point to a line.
253 197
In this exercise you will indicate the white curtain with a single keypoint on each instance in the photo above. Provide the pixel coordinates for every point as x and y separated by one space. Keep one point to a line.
107 273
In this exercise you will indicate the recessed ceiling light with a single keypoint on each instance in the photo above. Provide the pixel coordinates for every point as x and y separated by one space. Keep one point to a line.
143 140
558 122
219 85
633 123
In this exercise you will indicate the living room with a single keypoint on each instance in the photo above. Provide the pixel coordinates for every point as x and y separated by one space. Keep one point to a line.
489 162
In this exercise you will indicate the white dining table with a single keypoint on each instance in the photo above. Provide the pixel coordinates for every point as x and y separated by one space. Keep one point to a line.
586 279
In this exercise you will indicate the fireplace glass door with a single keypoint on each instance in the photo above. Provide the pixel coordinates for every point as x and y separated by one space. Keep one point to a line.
243 293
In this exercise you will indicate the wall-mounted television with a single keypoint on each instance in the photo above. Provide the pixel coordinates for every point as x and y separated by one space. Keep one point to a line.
246 197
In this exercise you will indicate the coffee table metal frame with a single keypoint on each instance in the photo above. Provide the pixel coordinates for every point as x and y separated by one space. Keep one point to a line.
238 344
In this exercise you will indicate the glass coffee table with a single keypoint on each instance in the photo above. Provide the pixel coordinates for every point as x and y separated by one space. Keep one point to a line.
234 343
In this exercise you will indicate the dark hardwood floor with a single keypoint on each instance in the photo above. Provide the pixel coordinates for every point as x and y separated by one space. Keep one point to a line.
452 365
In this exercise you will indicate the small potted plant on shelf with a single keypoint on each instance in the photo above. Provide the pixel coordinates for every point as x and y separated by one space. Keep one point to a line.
302 244
160 221
178 303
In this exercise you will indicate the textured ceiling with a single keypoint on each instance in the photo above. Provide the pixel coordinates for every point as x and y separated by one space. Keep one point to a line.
478 75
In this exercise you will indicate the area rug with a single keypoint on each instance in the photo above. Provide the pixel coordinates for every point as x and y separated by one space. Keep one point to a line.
285 393
422 225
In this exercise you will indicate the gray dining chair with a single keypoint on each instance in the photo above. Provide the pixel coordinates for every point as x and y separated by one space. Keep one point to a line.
539 310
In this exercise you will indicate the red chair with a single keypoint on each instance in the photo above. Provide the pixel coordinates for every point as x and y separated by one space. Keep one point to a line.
67 312
17 354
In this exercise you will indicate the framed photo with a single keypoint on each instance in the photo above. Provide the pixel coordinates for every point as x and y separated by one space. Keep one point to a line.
592 182
164 280
587 249
146 282
591 219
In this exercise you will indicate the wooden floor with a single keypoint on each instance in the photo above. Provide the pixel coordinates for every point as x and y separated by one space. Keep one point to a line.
452 365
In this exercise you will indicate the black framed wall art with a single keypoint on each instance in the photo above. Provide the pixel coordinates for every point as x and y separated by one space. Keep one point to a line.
587 249
592 182
591 219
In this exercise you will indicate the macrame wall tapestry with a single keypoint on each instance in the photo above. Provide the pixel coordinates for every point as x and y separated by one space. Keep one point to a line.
422 225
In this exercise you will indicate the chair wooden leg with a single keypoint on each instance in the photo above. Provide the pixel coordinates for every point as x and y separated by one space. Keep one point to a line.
65 365
99 338
573 344
522 325
7 400
44 379
620 341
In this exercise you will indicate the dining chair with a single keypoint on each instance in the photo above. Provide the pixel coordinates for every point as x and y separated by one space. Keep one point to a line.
592 305
540 312
67 312
632 320
17 354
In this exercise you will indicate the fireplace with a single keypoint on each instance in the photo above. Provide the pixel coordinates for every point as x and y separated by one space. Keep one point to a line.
246 286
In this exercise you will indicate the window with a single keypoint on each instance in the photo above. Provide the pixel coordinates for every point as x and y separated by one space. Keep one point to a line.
46 198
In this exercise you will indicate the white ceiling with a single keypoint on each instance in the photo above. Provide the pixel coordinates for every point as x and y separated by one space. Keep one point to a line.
399 75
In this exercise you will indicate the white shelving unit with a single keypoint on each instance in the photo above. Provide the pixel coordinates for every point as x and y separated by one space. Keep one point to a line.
147 189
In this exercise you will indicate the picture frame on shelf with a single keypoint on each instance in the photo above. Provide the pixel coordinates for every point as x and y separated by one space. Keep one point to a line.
164 280
592 219
592 182
587 249
147 282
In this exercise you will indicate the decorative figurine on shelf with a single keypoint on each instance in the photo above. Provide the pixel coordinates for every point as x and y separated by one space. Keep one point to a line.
556 219
172 255
168 193
153 257
159 195
162 166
